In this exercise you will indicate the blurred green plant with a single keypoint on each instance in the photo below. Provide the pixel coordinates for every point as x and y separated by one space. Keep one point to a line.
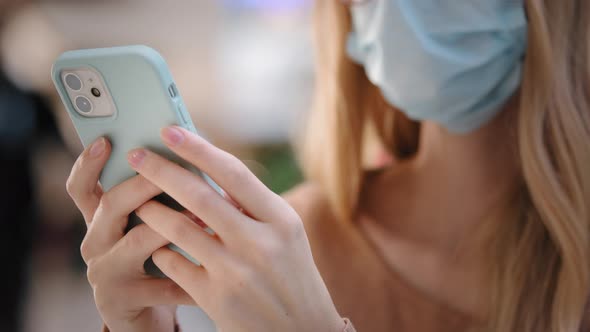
281 169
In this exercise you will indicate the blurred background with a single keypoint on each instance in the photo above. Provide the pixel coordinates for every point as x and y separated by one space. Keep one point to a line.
244 68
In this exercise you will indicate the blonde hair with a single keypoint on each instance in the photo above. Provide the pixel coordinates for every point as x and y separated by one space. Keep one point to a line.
541 261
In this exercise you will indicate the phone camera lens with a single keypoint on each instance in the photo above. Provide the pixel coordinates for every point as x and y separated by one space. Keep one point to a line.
73 82
83 104
95 92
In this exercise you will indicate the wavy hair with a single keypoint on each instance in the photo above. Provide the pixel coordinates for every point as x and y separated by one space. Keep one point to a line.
541 259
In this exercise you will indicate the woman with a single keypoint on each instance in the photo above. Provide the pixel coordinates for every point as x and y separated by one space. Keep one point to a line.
479 221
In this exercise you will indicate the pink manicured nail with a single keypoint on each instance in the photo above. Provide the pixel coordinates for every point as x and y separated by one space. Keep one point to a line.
97 147
136 157
172 136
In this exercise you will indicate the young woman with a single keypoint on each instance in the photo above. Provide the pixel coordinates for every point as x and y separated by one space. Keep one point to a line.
479 221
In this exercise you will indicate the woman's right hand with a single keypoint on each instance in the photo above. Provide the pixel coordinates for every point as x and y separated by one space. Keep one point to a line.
127 298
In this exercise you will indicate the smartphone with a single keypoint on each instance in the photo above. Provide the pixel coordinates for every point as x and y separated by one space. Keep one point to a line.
127 95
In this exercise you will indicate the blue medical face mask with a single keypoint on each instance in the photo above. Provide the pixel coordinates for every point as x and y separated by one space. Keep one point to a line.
452 62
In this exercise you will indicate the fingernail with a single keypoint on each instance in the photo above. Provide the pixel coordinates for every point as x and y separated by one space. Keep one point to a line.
97 147
136 157
172 136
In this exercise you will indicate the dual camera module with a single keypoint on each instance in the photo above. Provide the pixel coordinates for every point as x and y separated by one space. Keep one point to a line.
83 104
88 92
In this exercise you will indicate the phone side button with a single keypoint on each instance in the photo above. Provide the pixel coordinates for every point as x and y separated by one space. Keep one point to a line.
183 114
172 90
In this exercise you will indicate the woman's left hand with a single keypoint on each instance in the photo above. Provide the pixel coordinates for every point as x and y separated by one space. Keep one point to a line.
257 271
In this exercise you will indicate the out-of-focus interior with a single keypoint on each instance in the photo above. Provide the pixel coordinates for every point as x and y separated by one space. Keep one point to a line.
244 68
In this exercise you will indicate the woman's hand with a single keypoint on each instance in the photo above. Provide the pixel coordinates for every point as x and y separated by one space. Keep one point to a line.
127 299
257 271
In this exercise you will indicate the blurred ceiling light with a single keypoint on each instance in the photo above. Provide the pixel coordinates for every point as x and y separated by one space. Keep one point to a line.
265 72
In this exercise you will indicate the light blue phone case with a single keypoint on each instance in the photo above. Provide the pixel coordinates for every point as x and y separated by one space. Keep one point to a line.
138 79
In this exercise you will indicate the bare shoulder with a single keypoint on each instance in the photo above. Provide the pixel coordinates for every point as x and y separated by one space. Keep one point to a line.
321 225
333 241
348 266
310 202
